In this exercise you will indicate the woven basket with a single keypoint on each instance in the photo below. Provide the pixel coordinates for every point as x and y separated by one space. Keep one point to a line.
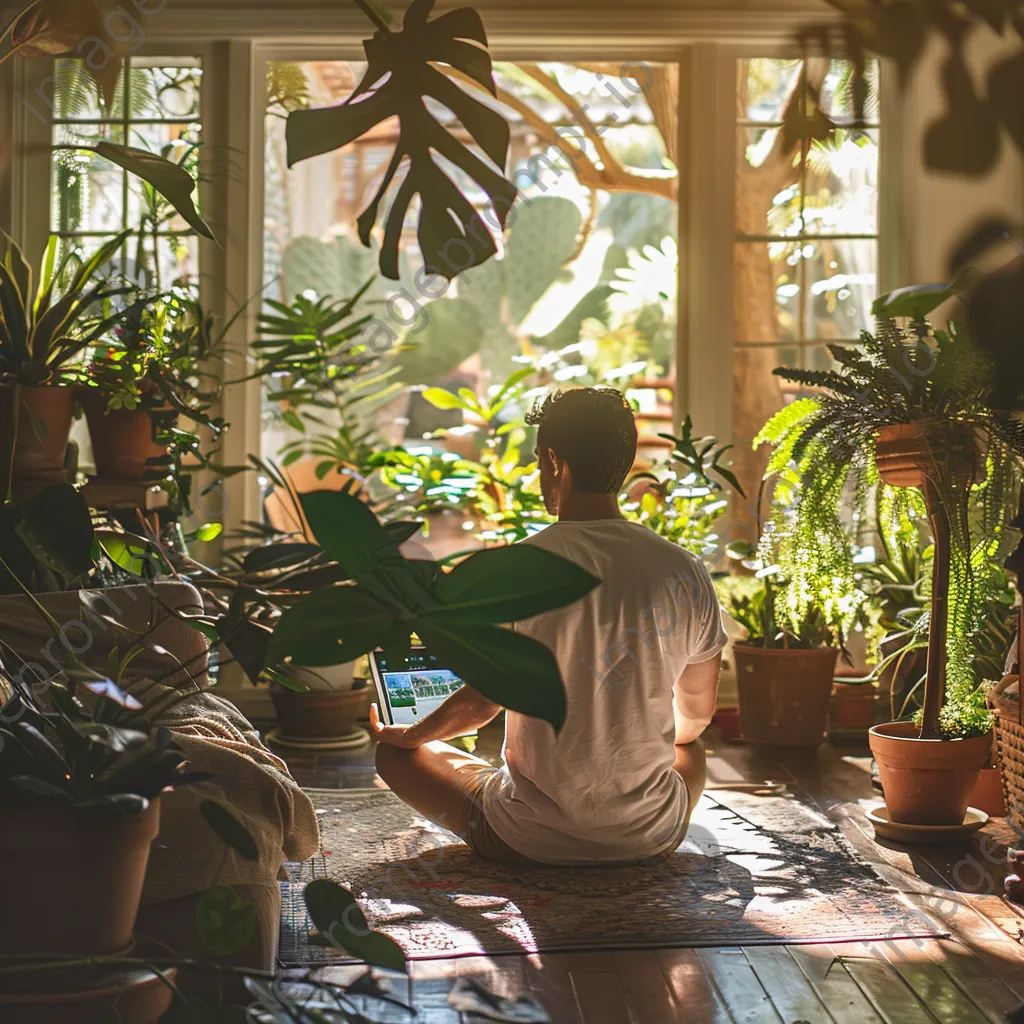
1010 753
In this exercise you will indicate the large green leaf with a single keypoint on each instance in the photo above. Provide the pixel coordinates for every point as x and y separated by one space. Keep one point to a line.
229 829
915 301
225 922
509 668
346 529
173 182
57 529
337 916
453 236
330 627
510 583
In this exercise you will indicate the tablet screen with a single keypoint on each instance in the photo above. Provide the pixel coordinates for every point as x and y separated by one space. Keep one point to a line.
414 686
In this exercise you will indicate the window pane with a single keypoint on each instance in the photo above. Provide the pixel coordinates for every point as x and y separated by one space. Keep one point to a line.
768 187
166 90
86 134
764 86
88 192
768 285
837 92
841 286
841 189
76 97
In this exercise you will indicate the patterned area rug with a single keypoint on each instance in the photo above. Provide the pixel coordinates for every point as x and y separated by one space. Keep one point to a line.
756 868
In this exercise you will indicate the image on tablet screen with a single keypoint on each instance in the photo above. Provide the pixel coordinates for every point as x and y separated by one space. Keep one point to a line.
419 688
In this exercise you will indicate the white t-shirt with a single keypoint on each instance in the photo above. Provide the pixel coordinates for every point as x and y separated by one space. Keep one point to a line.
604 788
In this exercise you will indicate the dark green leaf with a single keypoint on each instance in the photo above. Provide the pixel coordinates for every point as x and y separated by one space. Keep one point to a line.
174 183
509 668
116 803
346 529
225 922
246 642
58 530
230 829
279 556
453 236
402 530
510 583
329 627
43 752
915 301
337 916
41 788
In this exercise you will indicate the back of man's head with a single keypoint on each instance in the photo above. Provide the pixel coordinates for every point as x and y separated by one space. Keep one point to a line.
593 430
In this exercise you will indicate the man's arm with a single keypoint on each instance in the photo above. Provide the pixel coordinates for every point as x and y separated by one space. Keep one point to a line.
462 712
695 693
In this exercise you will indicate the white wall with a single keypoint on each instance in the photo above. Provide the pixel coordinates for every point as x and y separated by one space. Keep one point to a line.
936 209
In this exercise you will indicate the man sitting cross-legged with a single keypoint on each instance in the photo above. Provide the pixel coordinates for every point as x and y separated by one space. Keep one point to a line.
640 657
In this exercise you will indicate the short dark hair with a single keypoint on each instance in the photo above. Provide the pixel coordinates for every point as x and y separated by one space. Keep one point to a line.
593 430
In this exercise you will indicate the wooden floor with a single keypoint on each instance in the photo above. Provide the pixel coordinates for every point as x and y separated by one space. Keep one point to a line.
977 975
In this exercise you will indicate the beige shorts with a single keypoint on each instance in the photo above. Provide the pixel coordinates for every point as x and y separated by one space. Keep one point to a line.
471 824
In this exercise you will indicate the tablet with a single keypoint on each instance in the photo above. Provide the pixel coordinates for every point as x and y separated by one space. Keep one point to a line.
409 689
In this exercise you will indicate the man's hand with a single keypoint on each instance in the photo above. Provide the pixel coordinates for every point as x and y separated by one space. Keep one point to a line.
395 735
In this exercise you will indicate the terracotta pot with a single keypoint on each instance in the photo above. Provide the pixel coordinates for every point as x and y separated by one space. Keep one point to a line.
122 439
86 873
853 706
317 715
905 452
784 694
728 722
90 995
44 425
987 794
926 782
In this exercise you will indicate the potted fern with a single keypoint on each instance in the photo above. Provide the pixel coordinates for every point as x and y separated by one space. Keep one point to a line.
909 408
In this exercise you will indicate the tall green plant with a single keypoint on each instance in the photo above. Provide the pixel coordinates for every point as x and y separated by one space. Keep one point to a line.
824 456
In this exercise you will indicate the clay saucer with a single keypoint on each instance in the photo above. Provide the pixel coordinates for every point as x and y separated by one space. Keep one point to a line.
933 835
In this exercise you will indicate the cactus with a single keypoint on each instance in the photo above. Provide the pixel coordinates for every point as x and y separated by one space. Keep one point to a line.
490 303
502 293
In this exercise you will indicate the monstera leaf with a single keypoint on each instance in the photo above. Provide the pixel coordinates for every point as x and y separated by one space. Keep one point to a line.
54 28
453 236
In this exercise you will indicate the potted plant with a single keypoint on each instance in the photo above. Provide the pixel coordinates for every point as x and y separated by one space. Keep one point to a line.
683 497
81 772
154 372
44 330
784 669
910 408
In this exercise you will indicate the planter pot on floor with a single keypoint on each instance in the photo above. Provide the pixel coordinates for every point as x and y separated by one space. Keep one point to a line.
318 714
926 782
122 439
853 705
784 694
90 995
85 873
44 425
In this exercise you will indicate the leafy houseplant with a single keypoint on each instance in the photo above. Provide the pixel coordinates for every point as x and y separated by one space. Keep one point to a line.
153 374
911 407
683 498
44 330
300 604
785 668
81 771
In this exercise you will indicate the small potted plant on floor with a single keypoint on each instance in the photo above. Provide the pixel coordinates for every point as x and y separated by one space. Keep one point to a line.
785 667
911 407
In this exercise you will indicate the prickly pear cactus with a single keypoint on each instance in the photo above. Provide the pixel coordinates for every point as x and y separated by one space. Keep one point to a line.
336 269
541 239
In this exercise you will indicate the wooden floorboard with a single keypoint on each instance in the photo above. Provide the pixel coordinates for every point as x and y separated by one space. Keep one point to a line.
975 977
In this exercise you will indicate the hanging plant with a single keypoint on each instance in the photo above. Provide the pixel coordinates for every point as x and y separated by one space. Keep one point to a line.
453 235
